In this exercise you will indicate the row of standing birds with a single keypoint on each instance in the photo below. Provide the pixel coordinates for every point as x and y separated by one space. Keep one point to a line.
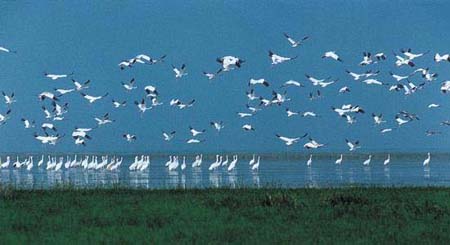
142 163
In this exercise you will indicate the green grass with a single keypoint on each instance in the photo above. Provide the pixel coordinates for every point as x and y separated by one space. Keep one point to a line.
256 216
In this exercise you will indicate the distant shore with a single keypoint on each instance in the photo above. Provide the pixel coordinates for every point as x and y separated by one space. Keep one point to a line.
269 215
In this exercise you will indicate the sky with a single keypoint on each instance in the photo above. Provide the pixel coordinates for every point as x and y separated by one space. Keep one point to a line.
91 38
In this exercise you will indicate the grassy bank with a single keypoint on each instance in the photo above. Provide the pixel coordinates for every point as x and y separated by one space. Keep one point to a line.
363 215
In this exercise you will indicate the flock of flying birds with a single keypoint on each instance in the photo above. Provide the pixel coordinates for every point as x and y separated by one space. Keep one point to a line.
54 105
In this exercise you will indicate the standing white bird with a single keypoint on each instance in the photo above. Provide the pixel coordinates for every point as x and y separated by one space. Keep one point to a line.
388 160
339 160
367 162
309 162
426 162
255 166
233 163
253 160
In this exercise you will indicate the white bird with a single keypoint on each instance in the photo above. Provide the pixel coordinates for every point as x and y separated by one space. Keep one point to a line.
309 114
174 165
151 91
181 105
57 76
48 139
142 106
356 76
289 141
388 159
378 119
386 130
46 126
433 105
129 137
352 145
130 85
62 91
80 86
278 59
217 125
6 163
445 57
169 136
318 82
380 56
3 49
194 141
403 61
398 78
118 104
255 166
210 75
253 160
344 90
291 113
233 163
5 117
261 81
339 160
445 87
27 123
373 82
195 132
312 144
179 72
229 62
244 114
9 99
293 42
400 121
127 63
224 163
426 162
91 99
367 162
248 127
215 164
183 165
367 59
47 95
332 55
410 55
103 120
309 162
292 83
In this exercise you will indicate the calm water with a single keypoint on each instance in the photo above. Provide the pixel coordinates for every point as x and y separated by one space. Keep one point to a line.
404 170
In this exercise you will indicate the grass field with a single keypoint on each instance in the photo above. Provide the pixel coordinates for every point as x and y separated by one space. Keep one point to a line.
267 216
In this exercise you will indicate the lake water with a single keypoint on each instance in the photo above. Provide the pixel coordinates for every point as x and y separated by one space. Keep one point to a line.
284 171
